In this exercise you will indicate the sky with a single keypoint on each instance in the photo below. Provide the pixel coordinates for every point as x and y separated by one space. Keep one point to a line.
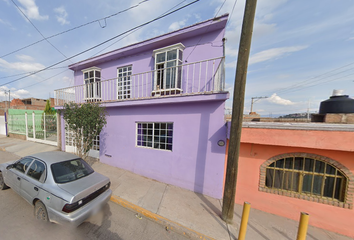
301 50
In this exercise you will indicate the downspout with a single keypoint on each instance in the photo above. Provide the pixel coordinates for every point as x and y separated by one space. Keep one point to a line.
223 65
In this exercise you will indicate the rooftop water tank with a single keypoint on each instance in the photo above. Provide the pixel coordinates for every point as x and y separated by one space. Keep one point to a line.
337 103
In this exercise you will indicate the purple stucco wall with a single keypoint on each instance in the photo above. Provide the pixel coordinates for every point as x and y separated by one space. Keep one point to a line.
196 161
198 48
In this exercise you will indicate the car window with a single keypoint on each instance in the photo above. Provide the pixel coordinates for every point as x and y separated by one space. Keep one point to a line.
36 170
71 170
23 164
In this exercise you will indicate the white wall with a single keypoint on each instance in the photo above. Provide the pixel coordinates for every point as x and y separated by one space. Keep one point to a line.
2 125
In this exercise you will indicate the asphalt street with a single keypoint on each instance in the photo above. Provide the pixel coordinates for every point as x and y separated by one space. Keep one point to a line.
113 222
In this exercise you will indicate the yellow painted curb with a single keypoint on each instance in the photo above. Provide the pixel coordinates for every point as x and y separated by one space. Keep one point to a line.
173 226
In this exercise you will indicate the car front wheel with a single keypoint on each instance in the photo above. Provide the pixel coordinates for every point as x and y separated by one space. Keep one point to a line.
40 212
3 186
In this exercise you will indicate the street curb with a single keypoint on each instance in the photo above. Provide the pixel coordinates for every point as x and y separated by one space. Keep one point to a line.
170 225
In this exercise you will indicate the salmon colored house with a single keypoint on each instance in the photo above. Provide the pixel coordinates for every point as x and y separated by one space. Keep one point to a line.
286 169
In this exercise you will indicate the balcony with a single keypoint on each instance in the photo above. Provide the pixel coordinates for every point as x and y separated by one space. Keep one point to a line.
203 77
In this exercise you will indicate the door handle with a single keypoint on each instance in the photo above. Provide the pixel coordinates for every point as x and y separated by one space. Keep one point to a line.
18 178
35 188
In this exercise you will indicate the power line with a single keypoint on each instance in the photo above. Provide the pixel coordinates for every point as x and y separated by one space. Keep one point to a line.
19 74
102 49
205 31
330 80
134 31
232 11
146 23
38 29
309 81
71 29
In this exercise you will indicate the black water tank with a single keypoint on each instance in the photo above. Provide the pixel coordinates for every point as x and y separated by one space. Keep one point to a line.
337 104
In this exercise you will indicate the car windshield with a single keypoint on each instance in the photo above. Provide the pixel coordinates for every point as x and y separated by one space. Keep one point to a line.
71 170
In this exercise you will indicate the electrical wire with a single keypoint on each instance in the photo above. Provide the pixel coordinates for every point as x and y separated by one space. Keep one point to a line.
89 49
19 74
71 29
134 31
102 49
37 29
204 32
309 80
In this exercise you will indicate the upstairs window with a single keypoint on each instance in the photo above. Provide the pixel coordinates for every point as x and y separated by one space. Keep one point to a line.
168 70
92 81
124 82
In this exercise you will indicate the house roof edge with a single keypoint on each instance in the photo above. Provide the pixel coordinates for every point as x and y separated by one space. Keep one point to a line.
146 42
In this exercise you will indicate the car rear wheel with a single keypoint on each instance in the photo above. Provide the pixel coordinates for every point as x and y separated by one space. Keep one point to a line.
40 212
3 186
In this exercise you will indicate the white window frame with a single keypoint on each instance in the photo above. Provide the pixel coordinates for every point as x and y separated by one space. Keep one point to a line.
124 82
164 70
159 145
94 88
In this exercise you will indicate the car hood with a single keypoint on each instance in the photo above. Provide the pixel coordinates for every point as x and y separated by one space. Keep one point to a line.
84 186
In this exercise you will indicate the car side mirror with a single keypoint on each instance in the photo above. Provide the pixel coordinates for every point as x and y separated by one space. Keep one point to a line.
10 166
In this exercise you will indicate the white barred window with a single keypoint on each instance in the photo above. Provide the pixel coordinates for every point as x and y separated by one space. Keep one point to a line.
69 139
155 135
124 82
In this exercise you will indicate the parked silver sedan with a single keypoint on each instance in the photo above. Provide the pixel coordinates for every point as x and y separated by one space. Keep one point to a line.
62 187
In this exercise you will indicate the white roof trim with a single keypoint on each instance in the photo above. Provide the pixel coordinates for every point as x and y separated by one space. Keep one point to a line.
90 69
174 46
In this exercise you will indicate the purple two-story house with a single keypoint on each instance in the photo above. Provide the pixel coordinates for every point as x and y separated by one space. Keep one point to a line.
165 99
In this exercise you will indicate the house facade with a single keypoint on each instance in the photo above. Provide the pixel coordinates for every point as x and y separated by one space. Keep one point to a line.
165 102
288 168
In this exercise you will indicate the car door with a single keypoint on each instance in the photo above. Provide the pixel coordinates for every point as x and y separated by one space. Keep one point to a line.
17 172
33 180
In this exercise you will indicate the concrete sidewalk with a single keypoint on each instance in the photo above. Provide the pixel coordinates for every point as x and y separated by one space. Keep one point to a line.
184 211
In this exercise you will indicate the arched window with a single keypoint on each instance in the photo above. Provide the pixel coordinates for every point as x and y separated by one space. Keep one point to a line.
309 177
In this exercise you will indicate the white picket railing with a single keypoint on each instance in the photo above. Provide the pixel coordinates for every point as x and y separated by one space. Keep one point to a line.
192 78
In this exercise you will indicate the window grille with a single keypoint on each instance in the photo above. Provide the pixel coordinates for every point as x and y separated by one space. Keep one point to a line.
307 176
155 135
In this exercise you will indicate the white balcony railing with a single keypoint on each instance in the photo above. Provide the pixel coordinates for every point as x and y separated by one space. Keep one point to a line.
193 78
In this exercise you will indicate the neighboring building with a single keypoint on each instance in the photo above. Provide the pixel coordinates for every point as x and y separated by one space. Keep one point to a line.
30 103
165 100
288 168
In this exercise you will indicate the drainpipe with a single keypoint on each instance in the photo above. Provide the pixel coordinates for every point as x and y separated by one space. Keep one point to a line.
223 65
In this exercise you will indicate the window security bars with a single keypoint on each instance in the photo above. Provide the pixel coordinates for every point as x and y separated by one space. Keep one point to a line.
307 176
70 139
155 135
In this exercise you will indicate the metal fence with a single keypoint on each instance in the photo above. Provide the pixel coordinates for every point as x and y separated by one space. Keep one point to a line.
36 127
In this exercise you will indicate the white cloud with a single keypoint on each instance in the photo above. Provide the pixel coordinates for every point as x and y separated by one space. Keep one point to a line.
25 58
352 38
273 53
31 10
278 100
6 23
61 15
231 64
21 66
20 93
177 25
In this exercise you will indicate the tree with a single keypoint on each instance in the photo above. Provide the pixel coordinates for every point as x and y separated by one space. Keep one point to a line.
86 121
48 109
49 118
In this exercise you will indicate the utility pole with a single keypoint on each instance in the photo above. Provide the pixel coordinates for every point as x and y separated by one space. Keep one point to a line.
255 99
308 111
237 111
